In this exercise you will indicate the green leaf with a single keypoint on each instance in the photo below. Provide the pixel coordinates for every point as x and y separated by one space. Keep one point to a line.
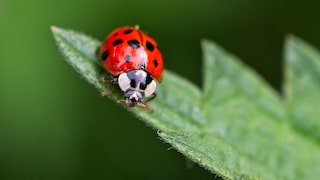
237 127
302 87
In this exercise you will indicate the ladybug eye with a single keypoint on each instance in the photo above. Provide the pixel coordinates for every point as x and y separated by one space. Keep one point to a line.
133 83
149 46
142 86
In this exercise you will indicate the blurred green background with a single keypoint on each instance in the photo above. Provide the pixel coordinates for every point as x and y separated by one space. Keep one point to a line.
53 125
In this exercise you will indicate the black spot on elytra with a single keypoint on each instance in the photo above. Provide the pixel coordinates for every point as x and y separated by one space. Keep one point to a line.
115 34
127 58
155 62
117 42
128 31
134 43
149 46
105 55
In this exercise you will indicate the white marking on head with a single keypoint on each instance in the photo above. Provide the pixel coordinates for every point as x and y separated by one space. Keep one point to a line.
140 72
135 96
124 82
151 88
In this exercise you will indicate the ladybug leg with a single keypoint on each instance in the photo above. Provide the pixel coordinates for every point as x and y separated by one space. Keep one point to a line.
145 106
111 80
145 103
139 104
122 101
106 93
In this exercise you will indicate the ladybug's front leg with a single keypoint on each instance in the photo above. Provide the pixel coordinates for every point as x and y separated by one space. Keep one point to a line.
145 106
111 80
139 104
145 103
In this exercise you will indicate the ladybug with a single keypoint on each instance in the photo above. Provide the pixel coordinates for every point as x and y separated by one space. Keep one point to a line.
134 61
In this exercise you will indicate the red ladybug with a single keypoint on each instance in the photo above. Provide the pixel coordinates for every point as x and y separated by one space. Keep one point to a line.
135 63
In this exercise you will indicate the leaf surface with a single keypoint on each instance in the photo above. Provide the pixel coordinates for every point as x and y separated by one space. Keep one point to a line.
237 127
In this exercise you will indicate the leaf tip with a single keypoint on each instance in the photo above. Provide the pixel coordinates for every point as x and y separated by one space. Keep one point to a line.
289 36
54 28
204 42
57 30
291 39
208 44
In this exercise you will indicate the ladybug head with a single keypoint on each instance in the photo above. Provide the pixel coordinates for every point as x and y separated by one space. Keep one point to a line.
133 97
136 85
